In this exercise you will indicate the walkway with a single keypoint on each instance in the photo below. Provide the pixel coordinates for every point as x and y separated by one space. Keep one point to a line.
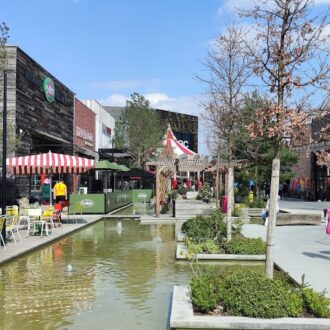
300 249
31 243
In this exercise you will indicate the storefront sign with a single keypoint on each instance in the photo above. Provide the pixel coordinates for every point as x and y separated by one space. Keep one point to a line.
34 79
49 89
87 203
85 135
106 130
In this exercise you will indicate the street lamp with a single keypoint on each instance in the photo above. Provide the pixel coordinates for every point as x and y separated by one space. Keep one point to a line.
4 151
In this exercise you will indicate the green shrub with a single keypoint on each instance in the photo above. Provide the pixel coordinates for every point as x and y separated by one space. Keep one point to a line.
165 209
316 303
204 293
202 228
237 210
257 202
243 245
252 294
211 247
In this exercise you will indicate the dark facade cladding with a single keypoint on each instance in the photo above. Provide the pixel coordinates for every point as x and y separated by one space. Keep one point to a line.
185 127
46 125
39 108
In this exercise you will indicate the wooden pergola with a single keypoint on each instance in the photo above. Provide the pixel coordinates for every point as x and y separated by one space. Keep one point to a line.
167 167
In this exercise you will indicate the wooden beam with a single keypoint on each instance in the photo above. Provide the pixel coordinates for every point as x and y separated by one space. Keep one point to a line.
157 191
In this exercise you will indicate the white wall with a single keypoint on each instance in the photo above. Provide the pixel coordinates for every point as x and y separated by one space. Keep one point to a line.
102 119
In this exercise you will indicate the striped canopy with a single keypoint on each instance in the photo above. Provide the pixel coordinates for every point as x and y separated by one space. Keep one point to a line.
49 163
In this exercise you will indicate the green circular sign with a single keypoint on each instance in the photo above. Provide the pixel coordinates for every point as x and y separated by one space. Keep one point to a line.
49 89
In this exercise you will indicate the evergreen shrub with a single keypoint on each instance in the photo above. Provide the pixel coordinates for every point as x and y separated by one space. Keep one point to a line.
243 245
316 303
202 228
252 294
204 293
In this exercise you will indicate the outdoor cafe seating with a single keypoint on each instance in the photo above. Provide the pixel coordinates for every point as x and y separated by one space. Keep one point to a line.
13 222
40 222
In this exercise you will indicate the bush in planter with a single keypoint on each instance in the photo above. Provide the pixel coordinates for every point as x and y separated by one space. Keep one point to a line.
202 228
182 191
316 303
252 294
204 293
243 245
165 209
257 202
208 247
173 194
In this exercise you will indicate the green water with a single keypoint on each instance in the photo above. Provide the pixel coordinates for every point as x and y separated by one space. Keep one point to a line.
122 277
135 209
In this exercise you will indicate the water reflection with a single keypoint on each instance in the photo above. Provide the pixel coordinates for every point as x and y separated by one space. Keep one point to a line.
117 281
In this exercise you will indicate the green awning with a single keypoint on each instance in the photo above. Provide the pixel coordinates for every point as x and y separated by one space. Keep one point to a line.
106 165
123 168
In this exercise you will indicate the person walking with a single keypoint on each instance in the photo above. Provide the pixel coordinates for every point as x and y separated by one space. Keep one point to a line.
60 191
45 192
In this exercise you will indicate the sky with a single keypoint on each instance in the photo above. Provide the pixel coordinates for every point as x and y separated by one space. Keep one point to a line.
108 49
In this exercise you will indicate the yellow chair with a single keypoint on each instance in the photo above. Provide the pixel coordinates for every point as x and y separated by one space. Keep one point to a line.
13 222
2 222
47 216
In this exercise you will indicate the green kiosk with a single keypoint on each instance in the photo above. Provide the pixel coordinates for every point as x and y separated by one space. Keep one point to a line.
107 199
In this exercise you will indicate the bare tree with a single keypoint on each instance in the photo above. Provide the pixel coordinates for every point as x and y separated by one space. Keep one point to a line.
291 58
227 65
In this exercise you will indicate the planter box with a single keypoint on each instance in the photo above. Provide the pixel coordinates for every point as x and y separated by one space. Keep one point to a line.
182 317
181 253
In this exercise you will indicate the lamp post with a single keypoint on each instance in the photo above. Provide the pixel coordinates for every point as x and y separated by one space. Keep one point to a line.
4 152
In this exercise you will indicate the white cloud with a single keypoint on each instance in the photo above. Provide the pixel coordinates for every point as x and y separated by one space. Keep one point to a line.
233 5
322 2
122 84
116 100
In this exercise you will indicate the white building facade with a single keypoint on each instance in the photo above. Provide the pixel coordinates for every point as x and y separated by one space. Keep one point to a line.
104 125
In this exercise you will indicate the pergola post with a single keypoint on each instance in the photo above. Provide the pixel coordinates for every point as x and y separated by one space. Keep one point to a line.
157 191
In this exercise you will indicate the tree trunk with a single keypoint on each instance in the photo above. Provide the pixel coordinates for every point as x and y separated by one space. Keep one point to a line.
272 217
216 190
230 196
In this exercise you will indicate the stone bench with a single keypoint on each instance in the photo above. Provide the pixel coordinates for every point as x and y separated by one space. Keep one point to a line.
250 212
284 219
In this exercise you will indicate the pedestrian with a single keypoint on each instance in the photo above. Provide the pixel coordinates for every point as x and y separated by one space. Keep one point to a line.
327 227
60 191
45 192
265 213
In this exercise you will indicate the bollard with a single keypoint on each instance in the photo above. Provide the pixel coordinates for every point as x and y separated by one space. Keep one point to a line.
173 208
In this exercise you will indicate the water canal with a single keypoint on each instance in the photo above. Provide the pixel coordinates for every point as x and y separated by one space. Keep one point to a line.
111 275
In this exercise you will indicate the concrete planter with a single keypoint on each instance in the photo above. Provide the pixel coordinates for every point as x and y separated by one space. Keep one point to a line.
182 317
181 254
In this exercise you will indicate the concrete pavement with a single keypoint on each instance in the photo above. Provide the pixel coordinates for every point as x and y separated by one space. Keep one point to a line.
300 250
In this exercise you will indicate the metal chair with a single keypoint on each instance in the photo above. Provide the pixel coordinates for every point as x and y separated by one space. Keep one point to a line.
57 213
2 222
35 221
13 222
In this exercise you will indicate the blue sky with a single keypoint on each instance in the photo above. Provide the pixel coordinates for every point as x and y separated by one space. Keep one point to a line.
108 49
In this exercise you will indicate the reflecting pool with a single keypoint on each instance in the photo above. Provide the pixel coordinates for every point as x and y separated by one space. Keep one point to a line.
111 275
135 209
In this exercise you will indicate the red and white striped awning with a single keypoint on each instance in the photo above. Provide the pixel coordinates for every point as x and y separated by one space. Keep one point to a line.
49 163
171 142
